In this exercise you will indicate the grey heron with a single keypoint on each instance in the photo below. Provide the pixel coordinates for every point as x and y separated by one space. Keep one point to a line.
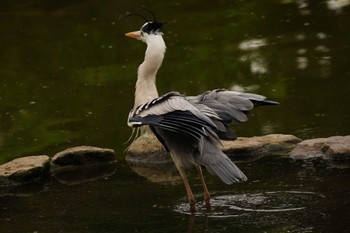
189 127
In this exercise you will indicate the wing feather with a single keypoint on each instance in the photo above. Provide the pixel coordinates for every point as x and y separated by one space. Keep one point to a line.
171 102
174 113
203 120
230 106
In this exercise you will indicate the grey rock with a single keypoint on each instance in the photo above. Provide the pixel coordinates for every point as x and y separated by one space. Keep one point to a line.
259 146
311 148
335 150
24 170
81 156
147 150
146 144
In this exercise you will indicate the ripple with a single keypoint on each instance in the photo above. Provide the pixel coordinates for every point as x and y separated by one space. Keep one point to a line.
225 205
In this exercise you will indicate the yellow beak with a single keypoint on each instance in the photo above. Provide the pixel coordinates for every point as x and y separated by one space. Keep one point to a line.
135 34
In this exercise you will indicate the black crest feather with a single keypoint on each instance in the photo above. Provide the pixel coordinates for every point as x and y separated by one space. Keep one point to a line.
150 26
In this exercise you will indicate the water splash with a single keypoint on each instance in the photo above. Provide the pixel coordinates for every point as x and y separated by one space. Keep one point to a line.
238 205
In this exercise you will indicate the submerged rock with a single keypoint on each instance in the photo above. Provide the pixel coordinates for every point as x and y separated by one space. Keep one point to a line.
82 156
24 170
335 150
83 163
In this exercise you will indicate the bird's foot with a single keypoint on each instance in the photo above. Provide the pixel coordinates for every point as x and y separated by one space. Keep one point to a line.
207 204
193 207
207 200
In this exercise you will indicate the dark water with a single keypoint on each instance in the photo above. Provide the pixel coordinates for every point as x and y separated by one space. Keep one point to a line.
67 75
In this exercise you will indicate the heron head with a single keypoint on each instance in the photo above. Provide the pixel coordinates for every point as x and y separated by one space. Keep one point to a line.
150 28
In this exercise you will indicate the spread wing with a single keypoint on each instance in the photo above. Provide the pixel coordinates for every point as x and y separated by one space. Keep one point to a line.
196 115
203 120
230 106
174 113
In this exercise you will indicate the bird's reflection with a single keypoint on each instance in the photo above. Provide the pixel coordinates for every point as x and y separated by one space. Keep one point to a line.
203 222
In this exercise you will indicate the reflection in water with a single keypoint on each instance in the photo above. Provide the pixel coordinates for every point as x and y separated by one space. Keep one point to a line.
240 88
77 175
302 63
318 57
235 205
301 60
252 44
322 49
164 175
258 64
304 6
258 209
268 128
323 59
300 36
191 223
337 5
321 35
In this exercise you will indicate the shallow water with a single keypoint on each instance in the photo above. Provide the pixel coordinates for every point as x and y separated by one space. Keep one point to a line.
281 196
67 75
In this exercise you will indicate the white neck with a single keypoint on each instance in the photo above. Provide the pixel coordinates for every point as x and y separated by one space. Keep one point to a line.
146 89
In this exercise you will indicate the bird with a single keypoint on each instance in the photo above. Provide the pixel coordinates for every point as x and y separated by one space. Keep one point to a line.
189 127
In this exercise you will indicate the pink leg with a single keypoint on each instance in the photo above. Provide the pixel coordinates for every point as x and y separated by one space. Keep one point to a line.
206 191
190 196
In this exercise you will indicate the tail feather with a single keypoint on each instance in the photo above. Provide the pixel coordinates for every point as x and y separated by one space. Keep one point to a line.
217 163
226 170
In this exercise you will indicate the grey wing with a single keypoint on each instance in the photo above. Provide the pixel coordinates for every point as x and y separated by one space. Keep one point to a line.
172 112
230 106
167 103
182 122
